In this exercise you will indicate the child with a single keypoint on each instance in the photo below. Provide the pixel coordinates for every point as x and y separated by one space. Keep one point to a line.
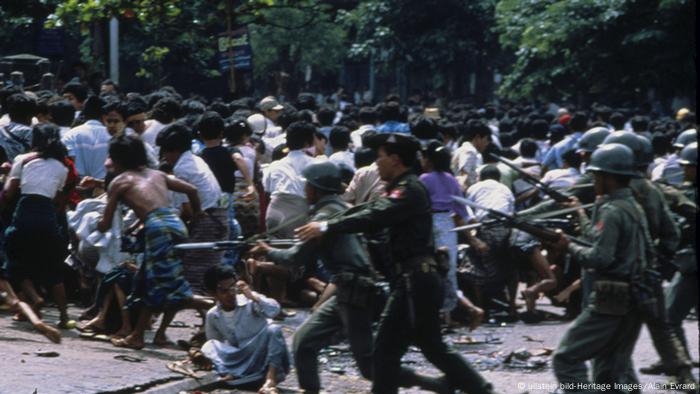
240 342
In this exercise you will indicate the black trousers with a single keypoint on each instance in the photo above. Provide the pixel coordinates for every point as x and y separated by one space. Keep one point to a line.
412 316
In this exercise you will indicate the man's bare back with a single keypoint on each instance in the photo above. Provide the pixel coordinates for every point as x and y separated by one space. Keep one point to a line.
145 190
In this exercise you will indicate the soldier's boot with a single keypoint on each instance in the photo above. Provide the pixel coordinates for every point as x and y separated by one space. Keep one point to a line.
656 368
685 379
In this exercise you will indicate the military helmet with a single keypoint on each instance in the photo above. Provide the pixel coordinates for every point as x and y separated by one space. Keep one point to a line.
324 175
591 139
686 137
646 155
628 139
689 155
613 158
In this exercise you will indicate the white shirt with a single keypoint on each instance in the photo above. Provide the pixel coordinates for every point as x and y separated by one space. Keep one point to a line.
151 133
561 178
668 171
529 165
194 170
284 175
490 194
44 177
356 136
466 159
344 156
88 144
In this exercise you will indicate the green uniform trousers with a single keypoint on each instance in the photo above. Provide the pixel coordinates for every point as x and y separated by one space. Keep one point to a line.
608 340
682 296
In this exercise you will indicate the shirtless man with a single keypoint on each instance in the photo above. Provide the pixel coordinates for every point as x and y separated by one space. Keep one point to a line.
161 284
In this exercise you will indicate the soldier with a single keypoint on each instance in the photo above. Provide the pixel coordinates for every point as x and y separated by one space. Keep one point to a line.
665 234
608 327
412 313
683 291
344 303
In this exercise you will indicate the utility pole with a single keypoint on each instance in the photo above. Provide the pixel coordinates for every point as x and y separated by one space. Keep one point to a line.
114 50
229 33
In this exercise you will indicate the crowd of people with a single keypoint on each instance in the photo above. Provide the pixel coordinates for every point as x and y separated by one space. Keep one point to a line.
323 200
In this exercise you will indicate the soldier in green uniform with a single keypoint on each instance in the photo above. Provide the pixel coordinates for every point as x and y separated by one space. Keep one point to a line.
682 294
412 312
348 297
665 235
607 329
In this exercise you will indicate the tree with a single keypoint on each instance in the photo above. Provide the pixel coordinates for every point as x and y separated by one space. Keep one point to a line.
616 48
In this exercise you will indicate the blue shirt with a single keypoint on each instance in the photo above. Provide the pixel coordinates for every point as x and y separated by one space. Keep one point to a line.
393 126
88 144
553 158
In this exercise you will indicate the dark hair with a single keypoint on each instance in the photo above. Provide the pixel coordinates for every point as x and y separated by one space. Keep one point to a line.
300 134
128 152
339 138
116 106
617 120
210 125
572 158
661 144
62 112
578 122
221 108
46 140
278 152
92 108
424 128
136 105
528 148
166 110
306 101
539 129
364 156
367 115
305 114
21 106
192 107
406 155
5 94
325 116
287 116
236 129
110 82
476 128
216 274
175 138
77 89
390 110
639 123
439 155
490 172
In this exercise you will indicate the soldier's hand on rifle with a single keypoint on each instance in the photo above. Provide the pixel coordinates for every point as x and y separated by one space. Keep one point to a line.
480 246
260 249
309 231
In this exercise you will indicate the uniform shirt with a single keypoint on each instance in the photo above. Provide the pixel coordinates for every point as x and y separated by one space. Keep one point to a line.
616 237
194 170
662 227
405 210
491 194
44 177
284 175
366 185
340 253
466 159
553 157
345 157
441 187
15 139
561 178
88 144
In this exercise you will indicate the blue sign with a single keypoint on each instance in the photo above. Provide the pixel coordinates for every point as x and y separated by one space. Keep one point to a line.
236 48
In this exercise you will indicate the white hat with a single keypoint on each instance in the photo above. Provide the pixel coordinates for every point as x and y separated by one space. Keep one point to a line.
258 123
270 103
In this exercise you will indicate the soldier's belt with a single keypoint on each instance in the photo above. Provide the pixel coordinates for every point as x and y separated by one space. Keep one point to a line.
344 278
422 264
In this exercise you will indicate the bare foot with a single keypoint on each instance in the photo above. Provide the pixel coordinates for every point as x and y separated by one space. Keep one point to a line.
162 341
476 315
268 388
122 333
97 324
530 298
49 332
128 342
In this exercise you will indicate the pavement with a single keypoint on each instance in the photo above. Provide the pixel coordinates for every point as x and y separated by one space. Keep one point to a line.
79 365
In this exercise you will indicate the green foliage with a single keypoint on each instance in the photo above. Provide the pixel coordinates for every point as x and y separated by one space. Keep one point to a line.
611 47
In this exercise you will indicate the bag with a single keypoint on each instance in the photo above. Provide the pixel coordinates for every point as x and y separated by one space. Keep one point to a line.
611 297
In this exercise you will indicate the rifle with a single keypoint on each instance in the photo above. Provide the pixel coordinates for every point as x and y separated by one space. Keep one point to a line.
543 233
533 217
555 195
235 244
